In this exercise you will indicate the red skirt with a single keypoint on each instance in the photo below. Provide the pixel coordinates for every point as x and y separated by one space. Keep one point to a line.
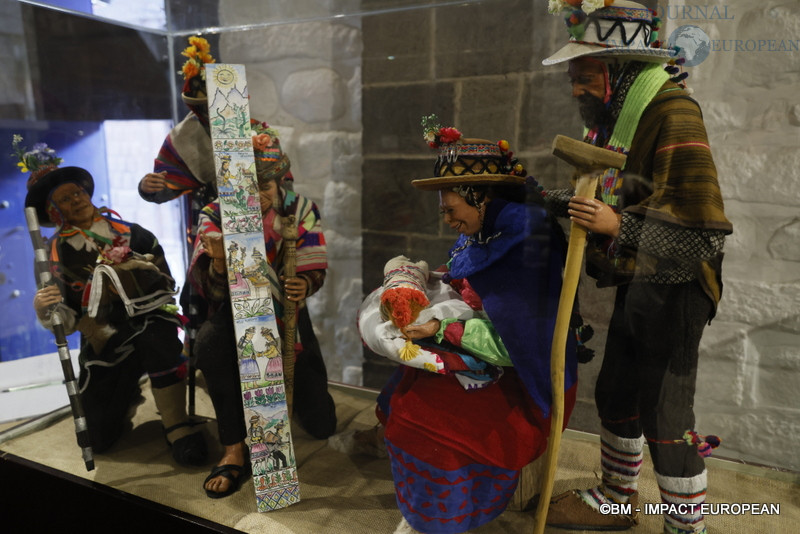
456 454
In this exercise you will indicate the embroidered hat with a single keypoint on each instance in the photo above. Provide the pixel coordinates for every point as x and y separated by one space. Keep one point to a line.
621 28
465 161
472 162
271 162
40 188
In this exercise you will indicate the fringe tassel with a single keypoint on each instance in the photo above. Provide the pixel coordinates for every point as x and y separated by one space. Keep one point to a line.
409 351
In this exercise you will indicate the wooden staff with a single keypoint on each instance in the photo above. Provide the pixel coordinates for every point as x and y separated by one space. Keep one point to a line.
42 266
589 161
290 234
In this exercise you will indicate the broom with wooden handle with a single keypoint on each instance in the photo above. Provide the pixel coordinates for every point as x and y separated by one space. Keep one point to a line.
589 161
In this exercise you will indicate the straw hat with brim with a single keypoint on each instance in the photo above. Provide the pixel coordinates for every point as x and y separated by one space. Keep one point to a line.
623 29
39 190
468 162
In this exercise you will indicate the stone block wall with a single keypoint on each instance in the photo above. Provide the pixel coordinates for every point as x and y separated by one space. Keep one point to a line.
478 68
305 81
750 355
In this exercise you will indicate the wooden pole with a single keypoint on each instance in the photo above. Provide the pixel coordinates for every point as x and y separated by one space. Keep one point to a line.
589 160
577 241
290 234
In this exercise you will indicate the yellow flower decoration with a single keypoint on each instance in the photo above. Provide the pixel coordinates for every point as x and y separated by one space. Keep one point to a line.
200 43
198 54
39 157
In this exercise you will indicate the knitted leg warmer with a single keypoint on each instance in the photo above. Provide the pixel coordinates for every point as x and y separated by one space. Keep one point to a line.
683 497
621 460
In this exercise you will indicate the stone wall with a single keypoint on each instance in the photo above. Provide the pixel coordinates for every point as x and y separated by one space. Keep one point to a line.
750 356
477 67
305 81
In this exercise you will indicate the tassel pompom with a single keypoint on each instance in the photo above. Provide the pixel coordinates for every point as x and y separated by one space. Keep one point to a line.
403 304
409 351
705 444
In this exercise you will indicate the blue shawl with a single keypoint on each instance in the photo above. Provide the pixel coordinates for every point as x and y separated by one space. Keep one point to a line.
516 270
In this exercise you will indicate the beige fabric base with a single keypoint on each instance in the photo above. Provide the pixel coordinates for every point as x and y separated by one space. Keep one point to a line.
352 495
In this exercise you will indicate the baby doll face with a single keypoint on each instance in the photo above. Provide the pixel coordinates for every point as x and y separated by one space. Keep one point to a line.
459 215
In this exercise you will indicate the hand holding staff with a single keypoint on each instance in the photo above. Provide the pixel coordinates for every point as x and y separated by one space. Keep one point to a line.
589 160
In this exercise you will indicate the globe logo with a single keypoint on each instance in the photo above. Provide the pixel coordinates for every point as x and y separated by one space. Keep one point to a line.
693 44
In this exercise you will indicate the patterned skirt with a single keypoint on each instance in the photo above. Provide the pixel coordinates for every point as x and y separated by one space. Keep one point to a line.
456 454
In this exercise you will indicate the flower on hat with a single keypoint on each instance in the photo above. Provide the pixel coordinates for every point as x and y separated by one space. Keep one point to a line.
263 136
435 134
589 6
39 157
555 7
198 54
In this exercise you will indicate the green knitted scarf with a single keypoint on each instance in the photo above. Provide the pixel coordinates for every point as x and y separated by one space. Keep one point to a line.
639 96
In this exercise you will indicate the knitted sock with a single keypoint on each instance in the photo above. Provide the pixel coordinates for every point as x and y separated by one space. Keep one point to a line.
171 404
621 460
684 497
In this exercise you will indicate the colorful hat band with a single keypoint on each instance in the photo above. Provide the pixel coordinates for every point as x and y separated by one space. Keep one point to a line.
468 159
268 167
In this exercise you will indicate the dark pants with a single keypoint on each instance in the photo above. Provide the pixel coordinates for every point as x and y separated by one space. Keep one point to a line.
647 381
215 350
112 389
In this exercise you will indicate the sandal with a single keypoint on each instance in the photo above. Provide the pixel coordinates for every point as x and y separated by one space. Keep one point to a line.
234 473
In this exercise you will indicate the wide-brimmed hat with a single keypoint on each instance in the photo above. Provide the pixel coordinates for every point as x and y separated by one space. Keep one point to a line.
271 162
40 188
472 162
622 29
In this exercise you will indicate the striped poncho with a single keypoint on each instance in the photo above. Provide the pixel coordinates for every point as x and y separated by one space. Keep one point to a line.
310 249
188 160
669 180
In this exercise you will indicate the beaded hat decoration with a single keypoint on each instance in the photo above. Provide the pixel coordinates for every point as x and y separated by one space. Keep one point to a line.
465 161
198 53
271 162
608 28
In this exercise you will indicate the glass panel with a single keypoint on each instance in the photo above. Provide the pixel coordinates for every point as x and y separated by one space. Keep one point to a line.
346 83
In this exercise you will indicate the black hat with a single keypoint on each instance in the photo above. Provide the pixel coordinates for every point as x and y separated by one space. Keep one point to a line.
39 189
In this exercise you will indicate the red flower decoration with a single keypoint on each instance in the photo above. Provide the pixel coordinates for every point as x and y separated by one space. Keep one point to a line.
449 135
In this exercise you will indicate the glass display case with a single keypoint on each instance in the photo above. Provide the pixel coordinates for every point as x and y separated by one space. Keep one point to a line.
346 83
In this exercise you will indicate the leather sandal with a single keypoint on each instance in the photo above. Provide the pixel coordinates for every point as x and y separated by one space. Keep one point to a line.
234 473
